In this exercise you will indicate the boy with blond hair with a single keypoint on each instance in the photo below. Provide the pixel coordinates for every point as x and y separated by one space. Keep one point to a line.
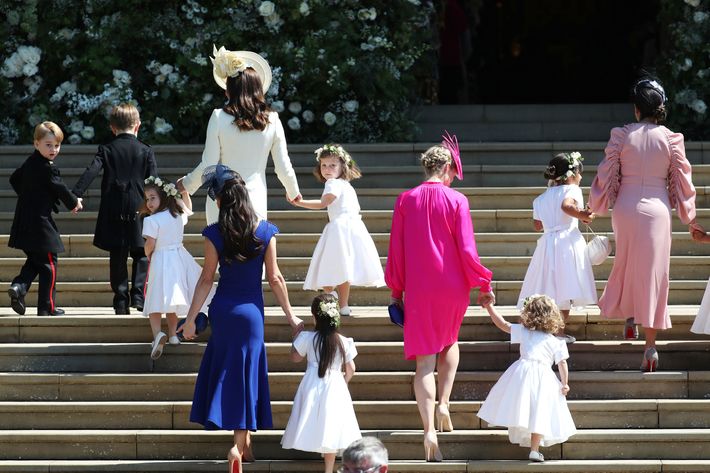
126 162
39 186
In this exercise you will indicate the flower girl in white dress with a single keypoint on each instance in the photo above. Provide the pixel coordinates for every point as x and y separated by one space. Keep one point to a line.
560 267
701 324
345 254
323 418
528 398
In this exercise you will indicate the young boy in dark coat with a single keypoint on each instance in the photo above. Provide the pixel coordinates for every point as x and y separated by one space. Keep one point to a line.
126 162
39 186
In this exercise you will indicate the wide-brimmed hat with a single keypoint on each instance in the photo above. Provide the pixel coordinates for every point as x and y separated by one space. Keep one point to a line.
226 63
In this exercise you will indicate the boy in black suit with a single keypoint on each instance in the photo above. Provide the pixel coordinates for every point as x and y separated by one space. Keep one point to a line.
39 186
126 162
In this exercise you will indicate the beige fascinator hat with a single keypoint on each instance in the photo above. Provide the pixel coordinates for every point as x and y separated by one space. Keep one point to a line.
227 63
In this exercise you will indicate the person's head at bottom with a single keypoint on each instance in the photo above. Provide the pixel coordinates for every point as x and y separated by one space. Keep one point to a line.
366 455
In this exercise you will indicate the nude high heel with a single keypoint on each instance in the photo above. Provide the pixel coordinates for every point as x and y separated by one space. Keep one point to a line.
235 460
443 418
650 360
431 448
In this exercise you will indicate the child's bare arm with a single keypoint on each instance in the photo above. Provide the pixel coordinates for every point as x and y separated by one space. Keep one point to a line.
149 246
564 376
569 206
324 202
538 225
498 319
295 356
349 371
186 199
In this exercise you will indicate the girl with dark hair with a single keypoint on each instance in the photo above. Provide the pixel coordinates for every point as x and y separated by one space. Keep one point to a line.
244 131
644 175
172 272
232 388
323 419
560 267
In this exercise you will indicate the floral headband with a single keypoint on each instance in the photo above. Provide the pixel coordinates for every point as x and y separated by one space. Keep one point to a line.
574 159
167 187
531 298
330 310
651 84
337 150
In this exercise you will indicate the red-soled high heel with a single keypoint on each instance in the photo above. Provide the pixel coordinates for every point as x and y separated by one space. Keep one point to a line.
650 360
235 460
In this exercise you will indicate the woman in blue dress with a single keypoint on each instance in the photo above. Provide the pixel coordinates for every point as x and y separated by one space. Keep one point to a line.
232 389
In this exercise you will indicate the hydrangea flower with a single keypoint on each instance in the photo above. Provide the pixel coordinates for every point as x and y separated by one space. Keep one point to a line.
329 118
294 123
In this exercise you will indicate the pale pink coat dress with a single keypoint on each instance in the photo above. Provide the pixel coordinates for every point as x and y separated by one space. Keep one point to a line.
644 175
433 259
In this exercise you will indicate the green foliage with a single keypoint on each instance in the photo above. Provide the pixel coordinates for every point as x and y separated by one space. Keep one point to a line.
71 60
685 65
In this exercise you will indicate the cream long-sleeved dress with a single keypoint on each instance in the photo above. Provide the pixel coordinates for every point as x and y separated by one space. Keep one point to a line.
247 153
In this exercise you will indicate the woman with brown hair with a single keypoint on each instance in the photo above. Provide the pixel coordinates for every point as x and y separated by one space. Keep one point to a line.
243 132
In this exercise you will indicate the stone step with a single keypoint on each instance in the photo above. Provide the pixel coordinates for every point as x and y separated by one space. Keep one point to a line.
367 324
373 356
85 294
601 414
377 221
592 444
365 386
303 244
400 176
395 466
370 154
506 268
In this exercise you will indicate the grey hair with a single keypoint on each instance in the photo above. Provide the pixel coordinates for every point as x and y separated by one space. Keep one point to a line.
366 448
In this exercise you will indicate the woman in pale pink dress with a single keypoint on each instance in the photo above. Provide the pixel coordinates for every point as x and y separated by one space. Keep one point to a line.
433 260
644 175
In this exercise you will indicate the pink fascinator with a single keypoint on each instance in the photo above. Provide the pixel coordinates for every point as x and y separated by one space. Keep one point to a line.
451 143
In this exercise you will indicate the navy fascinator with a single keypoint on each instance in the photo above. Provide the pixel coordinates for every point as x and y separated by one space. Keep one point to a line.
214 177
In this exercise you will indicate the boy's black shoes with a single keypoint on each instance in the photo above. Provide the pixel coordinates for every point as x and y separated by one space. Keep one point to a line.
122 311
138 305
49 312
17 299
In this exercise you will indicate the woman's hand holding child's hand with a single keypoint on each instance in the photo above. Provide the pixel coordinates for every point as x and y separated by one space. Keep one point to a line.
296 324
78 207
587 216
486 298
565 389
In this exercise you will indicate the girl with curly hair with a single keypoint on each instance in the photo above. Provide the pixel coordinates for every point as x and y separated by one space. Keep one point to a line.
529 399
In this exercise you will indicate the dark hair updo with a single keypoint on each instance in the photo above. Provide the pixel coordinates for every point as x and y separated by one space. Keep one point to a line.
650 99
559 166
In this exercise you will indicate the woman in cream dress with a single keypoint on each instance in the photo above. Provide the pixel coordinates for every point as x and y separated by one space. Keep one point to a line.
243 133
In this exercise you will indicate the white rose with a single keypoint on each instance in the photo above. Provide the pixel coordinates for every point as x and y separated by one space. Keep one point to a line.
329 118
158 181
267 8
351 105
29 70
373 13
76 126
687 64
277 106
121 77
294 107
294 123
166 69
29 54
700 16
74 139
308 116
88 132
173 77
304 9
33 86
207 98
699 106
693 3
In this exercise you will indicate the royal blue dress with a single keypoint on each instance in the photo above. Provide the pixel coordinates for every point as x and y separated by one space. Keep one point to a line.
232 389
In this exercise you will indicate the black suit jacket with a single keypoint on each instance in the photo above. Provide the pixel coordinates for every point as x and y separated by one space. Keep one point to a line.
39 186
126 162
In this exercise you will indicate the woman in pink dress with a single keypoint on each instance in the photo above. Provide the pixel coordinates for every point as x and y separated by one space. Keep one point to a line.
433 260
644 175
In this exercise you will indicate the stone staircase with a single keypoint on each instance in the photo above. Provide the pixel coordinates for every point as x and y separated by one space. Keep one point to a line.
80 394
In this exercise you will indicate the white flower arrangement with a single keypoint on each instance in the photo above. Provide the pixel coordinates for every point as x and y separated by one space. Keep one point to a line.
330 310
351 105
22 62
161 126
267 8
228 63
167 187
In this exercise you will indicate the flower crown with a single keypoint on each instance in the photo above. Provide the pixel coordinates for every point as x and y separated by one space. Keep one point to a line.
227 63
330 310
574 159
167 187
336 150
531 298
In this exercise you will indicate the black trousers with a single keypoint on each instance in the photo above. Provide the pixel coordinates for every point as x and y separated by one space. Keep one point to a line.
119 277
44 265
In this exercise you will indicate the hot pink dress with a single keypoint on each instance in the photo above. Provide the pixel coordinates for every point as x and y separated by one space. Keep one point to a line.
433 259
644 175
